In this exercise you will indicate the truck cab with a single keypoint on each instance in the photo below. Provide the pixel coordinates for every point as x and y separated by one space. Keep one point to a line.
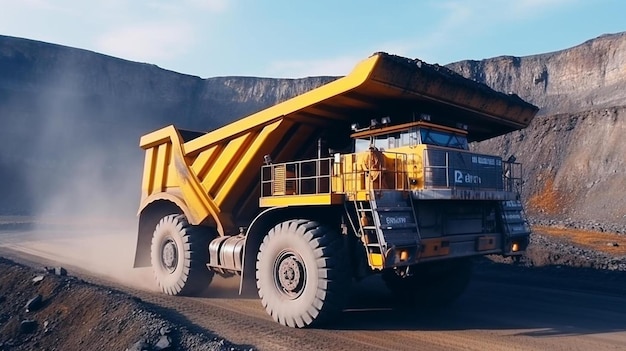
412 140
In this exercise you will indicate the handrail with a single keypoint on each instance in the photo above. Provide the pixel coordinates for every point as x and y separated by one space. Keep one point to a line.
339 174
345 174
312 176
470 171
392 176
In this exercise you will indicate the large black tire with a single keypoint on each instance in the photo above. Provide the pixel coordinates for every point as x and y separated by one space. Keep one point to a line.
431 286
302 273
179 254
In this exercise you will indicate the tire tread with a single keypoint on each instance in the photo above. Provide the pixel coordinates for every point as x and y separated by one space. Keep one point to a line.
332 267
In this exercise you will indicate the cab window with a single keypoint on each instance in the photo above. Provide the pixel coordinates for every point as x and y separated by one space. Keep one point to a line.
381 142
440 138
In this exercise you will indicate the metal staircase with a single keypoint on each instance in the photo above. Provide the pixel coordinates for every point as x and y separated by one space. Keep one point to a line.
513 219
387 222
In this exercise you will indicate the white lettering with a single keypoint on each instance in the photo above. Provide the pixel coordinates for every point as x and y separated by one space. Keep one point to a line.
395 220
466 178
458 177
484 160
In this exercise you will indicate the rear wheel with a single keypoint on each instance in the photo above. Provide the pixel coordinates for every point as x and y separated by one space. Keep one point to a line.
179 253
431 285
302 273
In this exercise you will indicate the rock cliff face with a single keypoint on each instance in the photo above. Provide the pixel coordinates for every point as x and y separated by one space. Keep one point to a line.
72 119
587 76
574 167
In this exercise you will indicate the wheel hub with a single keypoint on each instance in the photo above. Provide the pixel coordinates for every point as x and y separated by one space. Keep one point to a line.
169 255
291 274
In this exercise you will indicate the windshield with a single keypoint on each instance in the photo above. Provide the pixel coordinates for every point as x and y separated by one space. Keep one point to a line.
381 142
412 137
447 139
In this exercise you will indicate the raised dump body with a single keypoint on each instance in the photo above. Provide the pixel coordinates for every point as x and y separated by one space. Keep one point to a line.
377 161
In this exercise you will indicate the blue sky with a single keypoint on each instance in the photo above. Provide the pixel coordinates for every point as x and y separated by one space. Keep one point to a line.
292 39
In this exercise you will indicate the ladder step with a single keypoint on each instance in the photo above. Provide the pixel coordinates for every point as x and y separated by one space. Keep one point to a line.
391 227
394 209
515 221
514 206
399 226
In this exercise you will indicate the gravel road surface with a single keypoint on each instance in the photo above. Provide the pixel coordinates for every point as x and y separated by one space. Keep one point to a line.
506 307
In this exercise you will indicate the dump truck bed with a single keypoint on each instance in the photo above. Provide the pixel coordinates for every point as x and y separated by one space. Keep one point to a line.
217 173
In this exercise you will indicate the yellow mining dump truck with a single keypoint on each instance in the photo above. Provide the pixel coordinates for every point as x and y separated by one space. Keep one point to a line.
369 174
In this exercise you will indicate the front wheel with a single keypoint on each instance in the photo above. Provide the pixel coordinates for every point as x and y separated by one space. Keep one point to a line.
179 254
302 273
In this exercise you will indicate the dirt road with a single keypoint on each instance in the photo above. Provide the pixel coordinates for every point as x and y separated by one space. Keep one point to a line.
505 308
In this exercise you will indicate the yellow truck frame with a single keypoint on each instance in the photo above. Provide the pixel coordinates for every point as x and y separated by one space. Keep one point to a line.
368 174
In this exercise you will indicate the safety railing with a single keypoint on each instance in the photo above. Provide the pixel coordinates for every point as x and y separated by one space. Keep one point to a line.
351 173
463 170
512 176
339 174
297 178
361 174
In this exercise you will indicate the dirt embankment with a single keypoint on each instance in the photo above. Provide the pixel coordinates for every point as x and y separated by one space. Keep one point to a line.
41 310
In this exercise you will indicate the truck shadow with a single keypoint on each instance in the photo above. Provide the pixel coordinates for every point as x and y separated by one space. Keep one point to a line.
538 302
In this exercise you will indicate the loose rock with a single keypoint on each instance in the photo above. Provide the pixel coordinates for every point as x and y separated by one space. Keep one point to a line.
34 304
28 326
37 279
140 345
165 330
164 343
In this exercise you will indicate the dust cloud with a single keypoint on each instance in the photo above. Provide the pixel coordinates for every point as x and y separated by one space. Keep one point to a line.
71 165
81 165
